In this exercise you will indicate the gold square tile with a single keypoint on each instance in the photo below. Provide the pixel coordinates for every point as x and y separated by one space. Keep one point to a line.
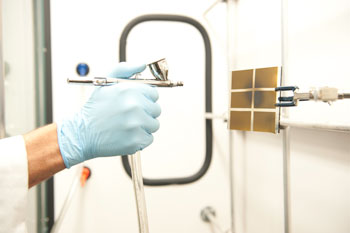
266 77
241 99
240 120
265 122
265 99
242 79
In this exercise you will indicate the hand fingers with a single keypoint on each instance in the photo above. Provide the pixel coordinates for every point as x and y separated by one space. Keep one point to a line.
152 108
150 92
144 90
125 70
151 125
147 140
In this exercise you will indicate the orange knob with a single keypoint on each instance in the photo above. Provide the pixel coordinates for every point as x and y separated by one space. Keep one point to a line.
85 175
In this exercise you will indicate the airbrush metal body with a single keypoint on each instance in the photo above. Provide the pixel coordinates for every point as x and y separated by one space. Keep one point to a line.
159 69
102 81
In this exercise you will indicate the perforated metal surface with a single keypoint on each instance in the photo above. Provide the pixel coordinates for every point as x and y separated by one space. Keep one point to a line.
253 99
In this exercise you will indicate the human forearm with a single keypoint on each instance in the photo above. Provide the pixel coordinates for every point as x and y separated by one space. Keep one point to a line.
43 153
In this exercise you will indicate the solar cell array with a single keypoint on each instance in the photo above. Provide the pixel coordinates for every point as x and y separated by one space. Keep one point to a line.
253 99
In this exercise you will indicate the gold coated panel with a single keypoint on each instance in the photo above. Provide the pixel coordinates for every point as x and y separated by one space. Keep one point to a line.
265 99
264 122
242 79
240 120
241 99
266 77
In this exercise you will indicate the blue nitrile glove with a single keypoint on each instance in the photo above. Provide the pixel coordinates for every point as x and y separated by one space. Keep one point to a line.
116 120
126 69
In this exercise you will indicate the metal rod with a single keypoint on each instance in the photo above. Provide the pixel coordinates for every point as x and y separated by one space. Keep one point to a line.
346 95
208 215
318 126
110 81
232 29
286 180
286 131
284 41
285 122
2 81
213 116
212 28
139 192
214 223
43 104
232 195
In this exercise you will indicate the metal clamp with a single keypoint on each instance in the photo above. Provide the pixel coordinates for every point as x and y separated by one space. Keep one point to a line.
324 94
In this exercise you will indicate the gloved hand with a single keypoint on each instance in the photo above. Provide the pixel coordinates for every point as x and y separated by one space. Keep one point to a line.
126 69
116 120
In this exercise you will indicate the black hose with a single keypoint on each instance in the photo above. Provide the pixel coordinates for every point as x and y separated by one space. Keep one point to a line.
208 94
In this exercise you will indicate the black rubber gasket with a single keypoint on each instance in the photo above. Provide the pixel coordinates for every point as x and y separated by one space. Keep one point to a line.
208 94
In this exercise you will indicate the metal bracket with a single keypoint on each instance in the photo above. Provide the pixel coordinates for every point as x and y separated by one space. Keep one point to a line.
325 94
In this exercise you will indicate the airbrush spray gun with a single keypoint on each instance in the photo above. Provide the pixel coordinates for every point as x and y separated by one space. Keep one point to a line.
159 70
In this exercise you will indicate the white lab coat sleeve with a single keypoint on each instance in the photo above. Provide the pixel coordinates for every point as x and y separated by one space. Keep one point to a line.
13 185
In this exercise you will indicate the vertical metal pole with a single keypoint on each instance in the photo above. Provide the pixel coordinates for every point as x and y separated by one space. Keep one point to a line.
285 114
231 167
139 192
45 190
2 82
49 189
231 6
286 179
284 45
